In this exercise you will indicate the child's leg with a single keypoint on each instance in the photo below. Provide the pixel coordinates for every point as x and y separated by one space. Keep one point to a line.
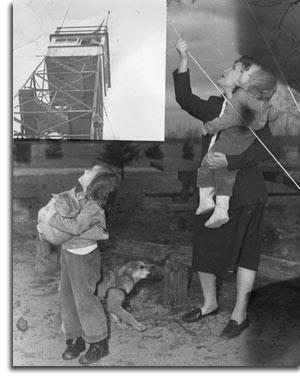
225 181
220 215
206 201
206 184
83 307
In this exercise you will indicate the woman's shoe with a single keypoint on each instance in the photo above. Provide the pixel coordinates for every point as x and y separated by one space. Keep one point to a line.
96 351
75 347
233 329
196 315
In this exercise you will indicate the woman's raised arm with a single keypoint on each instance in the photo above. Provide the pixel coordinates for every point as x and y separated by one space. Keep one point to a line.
182 47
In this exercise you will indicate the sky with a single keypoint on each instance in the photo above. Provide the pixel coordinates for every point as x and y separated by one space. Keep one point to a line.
217 33
209 28
135 103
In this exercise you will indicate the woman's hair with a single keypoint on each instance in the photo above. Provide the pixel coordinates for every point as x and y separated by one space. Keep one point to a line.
246 61
104 187
262 84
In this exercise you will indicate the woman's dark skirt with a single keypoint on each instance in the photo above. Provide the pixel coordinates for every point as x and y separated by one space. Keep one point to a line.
237 243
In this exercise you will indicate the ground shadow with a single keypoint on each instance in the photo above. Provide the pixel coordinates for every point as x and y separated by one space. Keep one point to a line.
275 324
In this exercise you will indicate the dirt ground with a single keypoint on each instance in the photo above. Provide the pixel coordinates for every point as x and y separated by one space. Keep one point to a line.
273 338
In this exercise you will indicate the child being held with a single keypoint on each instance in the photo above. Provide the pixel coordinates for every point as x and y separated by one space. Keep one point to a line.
251 109
66 204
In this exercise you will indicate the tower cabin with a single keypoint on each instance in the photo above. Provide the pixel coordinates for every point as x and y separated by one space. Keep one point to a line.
64 96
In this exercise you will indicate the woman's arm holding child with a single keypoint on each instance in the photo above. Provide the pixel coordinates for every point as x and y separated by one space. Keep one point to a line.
255 153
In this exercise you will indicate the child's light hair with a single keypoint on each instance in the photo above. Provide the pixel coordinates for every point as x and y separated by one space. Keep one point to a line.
262 84
104 186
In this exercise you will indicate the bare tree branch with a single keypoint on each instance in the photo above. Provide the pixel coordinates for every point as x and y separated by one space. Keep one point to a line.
295 2
259 3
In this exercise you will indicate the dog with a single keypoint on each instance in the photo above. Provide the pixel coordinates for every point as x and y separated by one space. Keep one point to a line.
116 284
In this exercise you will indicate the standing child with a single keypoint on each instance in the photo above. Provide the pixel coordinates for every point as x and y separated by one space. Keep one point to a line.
251 108
82 313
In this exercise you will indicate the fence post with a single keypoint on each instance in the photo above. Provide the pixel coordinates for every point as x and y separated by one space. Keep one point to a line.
176 283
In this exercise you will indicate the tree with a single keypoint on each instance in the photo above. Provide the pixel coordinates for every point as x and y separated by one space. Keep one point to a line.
154 151
187 151
279 24
119 154
54 149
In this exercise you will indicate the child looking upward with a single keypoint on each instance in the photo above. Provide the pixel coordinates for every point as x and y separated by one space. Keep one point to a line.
251 108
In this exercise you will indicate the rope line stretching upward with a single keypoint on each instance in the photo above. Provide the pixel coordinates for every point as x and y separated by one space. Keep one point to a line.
237 112
65 16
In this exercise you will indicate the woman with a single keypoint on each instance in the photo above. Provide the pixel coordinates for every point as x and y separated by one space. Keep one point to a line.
83 316
236 245
251 104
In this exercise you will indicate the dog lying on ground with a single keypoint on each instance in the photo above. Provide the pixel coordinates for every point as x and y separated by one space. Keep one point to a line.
116 284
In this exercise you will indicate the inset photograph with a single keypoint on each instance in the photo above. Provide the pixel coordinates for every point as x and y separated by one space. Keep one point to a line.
89 70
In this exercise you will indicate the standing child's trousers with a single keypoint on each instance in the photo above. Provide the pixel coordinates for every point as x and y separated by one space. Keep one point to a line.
82 312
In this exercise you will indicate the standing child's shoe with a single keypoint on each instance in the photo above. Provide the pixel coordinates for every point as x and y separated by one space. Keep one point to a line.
220 215
75 346
206 201
95 352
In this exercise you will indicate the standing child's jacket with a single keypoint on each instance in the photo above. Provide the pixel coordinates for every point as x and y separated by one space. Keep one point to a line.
84 229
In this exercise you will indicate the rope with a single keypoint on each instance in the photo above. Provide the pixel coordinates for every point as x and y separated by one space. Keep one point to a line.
108 120
273 56
108 13
63 21
229 102
202 69
107 61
